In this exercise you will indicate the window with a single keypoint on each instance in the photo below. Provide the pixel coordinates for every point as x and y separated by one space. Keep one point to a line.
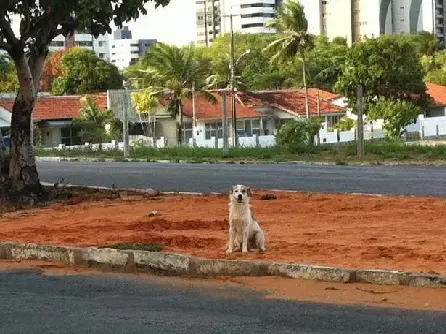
252 25
258 15
260 4
101 43
70 136
101 55
84 43
187 132
213 130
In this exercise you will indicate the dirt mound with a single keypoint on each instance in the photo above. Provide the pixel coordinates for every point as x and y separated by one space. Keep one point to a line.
161 224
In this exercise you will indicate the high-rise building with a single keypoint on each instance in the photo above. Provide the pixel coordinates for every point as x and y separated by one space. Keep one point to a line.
125 51
84 40
356 19
213 17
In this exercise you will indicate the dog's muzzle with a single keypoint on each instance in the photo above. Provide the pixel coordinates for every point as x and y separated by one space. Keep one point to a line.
239 198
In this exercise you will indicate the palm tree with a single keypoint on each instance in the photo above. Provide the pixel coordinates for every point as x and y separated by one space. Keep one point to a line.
177 74
92 120
292 25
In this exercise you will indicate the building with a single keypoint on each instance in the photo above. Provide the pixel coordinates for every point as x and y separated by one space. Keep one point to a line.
84 40
356 19
248 16
125 51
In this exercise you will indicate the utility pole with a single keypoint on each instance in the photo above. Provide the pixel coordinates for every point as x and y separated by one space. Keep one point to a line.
360 123
232 79
206 38
225 123
194 117
125 123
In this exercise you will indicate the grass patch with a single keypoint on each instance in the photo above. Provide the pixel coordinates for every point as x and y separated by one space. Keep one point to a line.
377 151
149 247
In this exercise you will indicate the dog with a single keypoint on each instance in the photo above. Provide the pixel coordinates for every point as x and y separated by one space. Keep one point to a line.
244 230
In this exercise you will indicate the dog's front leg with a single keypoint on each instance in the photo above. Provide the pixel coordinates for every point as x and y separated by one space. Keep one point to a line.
245 242
231 241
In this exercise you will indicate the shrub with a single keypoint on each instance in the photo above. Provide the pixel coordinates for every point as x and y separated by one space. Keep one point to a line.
298 135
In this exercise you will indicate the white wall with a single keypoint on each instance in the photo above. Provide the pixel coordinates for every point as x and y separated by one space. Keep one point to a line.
122 51
313 13
99 45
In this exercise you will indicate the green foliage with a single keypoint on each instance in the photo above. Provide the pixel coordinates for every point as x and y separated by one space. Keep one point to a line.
292 26
298 135
145 103
8 77
387 67
92 120
174 72
435 67
84 72
346 124
397 114
325 62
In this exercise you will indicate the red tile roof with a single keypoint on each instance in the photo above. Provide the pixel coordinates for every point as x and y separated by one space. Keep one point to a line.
205 110
437 92
293 100
57 107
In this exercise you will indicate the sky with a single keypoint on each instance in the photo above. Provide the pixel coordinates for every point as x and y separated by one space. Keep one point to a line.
173 24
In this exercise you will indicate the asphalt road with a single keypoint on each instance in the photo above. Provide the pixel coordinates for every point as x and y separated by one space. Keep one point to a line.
34 303
413 180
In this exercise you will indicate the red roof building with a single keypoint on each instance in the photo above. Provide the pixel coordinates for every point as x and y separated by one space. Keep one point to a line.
57 107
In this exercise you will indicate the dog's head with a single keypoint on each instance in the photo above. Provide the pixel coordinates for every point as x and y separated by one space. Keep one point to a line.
239 193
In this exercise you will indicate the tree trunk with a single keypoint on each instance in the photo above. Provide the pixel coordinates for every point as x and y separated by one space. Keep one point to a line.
24 183
23 176
180 122
304 78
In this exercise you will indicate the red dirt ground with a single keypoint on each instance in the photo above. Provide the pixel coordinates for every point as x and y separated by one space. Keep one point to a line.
389 232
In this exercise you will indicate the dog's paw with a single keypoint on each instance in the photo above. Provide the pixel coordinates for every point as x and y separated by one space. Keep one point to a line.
262 249
228 251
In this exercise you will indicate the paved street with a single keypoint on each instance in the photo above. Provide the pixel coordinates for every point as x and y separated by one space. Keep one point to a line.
429 180
34 303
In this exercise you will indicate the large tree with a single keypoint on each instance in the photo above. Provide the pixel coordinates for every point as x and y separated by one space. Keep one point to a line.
294 41
387 67
52 69
40 22
83 72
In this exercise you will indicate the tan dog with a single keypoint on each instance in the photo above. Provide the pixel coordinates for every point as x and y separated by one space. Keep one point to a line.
244 230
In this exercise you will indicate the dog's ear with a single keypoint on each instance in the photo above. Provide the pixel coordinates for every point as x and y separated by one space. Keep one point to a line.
248 191
231 190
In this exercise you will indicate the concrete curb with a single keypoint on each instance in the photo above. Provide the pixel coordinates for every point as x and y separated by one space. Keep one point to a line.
246 162
151 191
179 264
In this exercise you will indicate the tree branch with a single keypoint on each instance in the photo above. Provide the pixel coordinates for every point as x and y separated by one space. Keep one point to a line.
7 31
5 46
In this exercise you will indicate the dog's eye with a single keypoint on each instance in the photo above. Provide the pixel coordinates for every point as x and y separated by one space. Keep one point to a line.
243 191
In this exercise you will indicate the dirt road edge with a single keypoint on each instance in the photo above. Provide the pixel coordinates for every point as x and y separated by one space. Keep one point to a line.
179 264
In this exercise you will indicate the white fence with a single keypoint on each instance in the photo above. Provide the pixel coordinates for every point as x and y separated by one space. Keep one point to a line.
424 128
254 141
334 137
428 127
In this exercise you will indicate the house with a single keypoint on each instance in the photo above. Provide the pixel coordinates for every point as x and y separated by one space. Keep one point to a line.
438 95
209 117
53 116
280 106
259 113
